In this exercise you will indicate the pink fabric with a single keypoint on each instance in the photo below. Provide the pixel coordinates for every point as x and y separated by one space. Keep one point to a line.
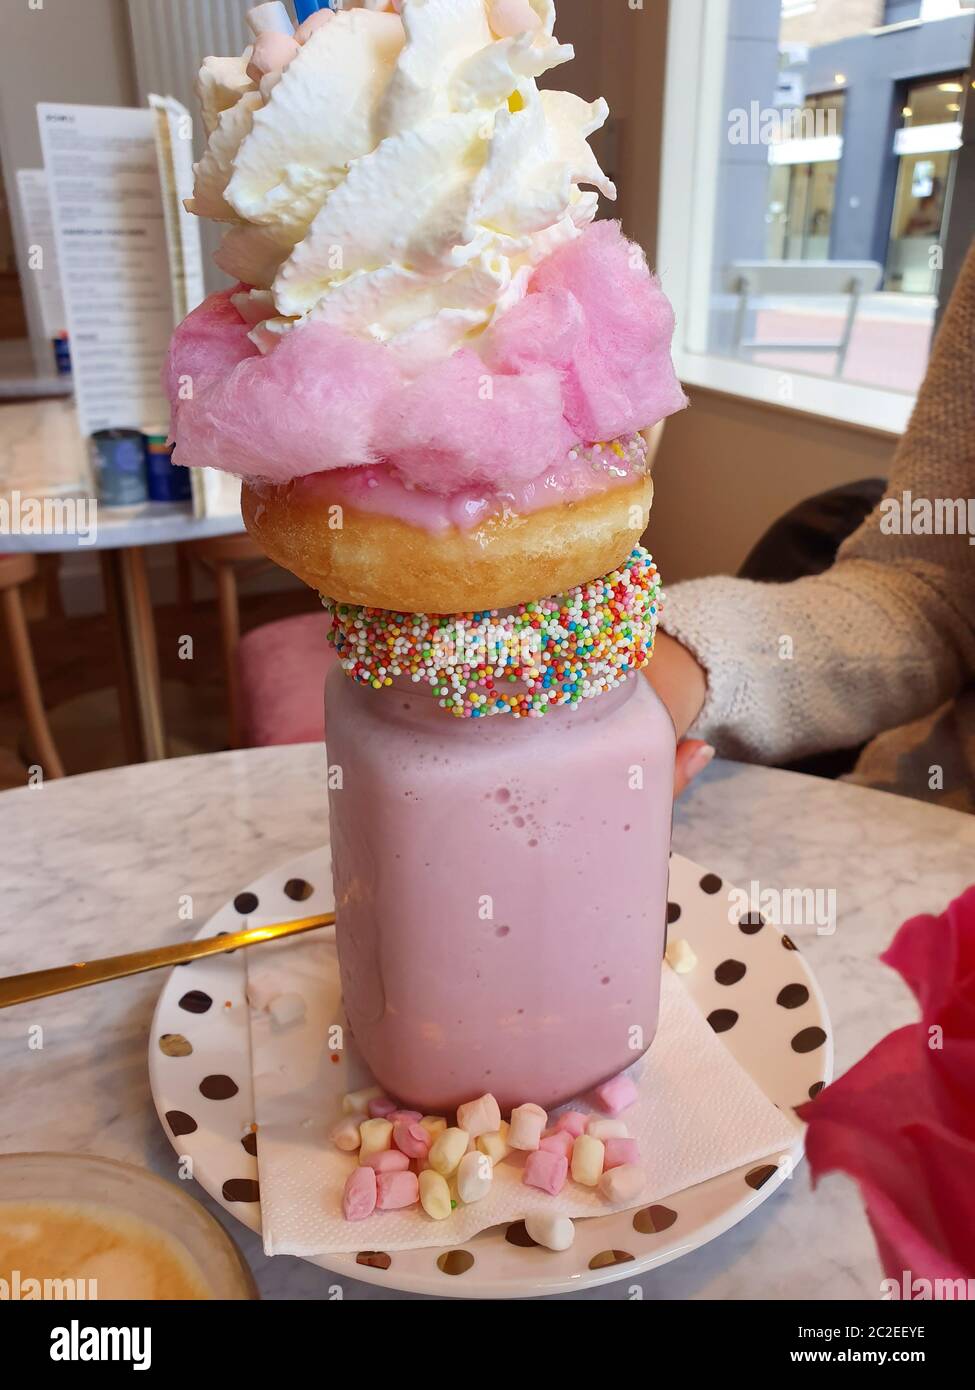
282 669
902 1121
585 356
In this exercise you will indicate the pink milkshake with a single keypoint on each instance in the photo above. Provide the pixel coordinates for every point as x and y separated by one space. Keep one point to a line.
434 376
501 888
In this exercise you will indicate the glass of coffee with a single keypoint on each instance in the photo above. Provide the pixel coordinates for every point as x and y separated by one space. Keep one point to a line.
73 1226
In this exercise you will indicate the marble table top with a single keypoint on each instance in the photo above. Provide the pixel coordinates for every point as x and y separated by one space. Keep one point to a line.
96 865
43 454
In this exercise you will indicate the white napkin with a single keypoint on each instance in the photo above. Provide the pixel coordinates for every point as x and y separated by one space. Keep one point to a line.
698 1114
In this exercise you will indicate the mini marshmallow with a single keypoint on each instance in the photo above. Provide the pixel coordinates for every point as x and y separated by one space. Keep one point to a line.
527 1123
559 1143
412 1140
573 1121
314 21
680 957
447 1150
546 1171
261 994
616 1095
396 1191
402 1117
434 1195
272 53
359 1196
587 1160
606 1129
381 1108
474 1177
345 1135
270 18
357 1102
376 1135
481 1116
623 1184
552 1231
434 1125
387 1161
496 1145
286 1009
620 1152
509 18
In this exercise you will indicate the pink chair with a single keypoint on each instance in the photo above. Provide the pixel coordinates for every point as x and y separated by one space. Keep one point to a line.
274 675
282 668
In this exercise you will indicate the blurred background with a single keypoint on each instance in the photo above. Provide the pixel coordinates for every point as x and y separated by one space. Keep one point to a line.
800 173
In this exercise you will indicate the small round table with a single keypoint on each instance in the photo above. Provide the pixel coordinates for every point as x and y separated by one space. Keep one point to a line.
44 456
98 865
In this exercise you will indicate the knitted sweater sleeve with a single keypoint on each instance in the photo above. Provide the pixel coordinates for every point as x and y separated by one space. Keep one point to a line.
885 636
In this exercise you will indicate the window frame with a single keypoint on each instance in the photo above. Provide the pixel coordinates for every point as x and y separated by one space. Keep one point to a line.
696 44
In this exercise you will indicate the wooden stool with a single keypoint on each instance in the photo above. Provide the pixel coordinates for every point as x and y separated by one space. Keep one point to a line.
228 558
15 572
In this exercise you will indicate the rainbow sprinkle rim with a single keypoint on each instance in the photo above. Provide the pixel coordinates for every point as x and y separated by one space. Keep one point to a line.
557 651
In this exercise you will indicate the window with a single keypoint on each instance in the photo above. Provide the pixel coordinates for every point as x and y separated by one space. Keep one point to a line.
926 148
808 233
802 182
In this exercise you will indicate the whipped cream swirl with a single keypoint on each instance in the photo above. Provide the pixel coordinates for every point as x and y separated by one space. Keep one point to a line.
401 176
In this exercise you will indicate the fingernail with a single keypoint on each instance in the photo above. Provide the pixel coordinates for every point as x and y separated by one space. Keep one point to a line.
699 760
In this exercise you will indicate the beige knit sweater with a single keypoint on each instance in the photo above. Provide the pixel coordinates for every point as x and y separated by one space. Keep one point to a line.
882 646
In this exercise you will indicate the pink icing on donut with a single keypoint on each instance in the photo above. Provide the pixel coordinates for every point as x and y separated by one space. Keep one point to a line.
584 472
584 356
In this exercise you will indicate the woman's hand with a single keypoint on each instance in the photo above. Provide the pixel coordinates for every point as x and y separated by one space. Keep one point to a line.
683 686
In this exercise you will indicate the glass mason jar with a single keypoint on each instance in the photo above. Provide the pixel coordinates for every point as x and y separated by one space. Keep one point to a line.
501 890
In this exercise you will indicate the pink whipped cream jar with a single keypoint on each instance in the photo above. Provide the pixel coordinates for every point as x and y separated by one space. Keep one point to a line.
501 890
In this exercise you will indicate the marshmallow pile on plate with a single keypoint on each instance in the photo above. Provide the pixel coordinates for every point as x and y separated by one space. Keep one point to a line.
405 1158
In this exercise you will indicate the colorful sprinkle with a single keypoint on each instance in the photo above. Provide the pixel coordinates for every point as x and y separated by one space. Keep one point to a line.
556 651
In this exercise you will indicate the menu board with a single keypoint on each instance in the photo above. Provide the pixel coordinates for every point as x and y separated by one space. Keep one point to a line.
109 227
45 279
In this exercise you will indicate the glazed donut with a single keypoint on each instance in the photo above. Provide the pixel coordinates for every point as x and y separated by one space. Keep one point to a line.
379 560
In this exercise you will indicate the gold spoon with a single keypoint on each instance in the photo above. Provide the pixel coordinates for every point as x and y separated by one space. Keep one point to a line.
39 984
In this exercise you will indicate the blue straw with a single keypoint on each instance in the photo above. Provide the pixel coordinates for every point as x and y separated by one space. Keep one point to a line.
304 8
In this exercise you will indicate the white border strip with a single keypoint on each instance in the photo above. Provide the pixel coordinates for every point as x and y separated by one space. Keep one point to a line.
844 402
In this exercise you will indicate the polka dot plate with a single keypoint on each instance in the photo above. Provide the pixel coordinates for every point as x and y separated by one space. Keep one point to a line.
750 981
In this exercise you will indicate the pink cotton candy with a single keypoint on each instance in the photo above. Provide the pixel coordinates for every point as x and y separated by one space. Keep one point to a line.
545 330
308 406
206 346
460 421
584 356
619 377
